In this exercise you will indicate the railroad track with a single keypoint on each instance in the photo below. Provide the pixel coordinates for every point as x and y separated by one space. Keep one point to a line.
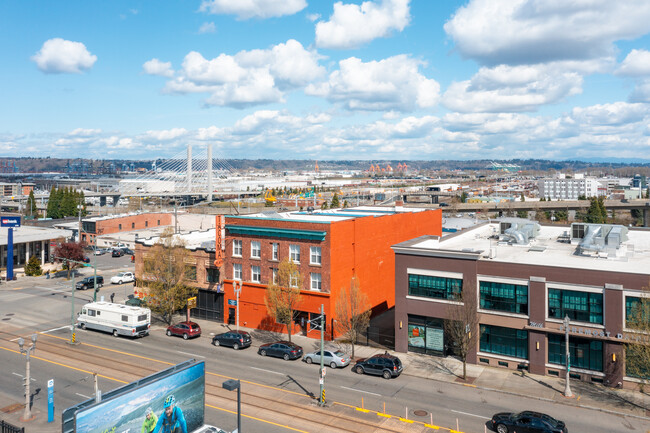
294 410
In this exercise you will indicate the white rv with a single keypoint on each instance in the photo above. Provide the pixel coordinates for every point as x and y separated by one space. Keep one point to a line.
118 319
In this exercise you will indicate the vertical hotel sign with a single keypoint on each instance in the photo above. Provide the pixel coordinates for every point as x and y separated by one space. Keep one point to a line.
218 261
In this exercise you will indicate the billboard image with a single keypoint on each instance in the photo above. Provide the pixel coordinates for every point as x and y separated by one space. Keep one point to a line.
127 411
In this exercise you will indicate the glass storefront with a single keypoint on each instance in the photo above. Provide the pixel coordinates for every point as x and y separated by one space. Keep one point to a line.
585 353
426 335
504 341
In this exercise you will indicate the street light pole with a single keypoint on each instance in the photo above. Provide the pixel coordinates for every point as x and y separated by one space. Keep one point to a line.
27 415
230 385
237 287
567 386
321 401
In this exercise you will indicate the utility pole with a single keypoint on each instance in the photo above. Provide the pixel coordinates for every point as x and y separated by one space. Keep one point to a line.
27 415
567 386
321 380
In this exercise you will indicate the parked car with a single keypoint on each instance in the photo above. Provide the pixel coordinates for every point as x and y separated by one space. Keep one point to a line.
89 283
184 329
117 253
99 251
234 339
533 422
332 357
127 251
281 349
385 365
123 277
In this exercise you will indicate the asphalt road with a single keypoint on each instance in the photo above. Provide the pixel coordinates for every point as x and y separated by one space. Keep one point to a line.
45 306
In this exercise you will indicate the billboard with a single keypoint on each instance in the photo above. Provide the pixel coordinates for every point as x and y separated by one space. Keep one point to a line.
125 409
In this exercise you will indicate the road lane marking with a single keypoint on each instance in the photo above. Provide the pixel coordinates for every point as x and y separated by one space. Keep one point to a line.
360 390
190 354
17 374
65 365
256 419
268 371
470 414
81 395
55 329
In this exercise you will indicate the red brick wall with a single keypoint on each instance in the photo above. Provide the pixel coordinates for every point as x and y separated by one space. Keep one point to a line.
132 222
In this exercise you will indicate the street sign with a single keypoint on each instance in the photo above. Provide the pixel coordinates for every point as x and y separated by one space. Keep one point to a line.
323 371
321 381
191 302
232 302
10 221
50 400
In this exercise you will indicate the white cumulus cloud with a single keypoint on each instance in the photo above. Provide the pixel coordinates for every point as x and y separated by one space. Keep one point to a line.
394 83
167 134
353 25
512 88
156 67
245 9
249 77
636 64
537 31
58 56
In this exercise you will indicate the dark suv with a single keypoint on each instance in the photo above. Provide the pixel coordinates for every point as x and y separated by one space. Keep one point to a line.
89 283
234 339
385 365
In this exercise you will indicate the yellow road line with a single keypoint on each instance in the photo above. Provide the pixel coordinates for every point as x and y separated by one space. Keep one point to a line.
469 384
65 365
257 419
385 415
112 350
434 427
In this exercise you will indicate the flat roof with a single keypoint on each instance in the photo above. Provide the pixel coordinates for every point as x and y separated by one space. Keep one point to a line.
547 249
193 240
330 215
25 234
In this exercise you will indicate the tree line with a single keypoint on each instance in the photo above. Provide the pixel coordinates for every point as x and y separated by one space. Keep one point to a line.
63 203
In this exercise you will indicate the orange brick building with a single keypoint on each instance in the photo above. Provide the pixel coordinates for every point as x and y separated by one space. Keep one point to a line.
98 226
329 246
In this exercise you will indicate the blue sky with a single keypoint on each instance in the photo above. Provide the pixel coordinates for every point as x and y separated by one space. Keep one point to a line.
313 79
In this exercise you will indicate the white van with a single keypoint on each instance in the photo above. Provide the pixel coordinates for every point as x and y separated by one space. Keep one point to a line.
118 319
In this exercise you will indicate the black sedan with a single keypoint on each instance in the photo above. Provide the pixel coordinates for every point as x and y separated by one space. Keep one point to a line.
234 339
526 422
117 253
281 349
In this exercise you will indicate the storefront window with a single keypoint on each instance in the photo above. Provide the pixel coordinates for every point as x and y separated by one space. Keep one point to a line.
426 335
504 341
511 298
580 306
435 287
585 353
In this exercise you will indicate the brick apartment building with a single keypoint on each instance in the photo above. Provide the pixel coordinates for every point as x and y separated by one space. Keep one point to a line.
330 247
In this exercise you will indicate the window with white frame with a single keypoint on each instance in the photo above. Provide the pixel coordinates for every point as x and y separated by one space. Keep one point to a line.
256 249
294 253
293 279
315 281
236 247
256 274
276 251
314 257
236 271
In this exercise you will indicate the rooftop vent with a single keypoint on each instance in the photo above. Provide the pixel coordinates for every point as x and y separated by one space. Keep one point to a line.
518 231
598 238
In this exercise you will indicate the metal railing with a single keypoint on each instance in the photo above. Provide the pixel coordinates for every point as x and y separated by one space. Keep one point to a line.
5 427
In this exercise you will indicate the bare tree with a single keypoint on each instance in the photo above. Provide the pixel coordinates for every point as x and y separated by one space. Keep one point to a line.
352 312
461 326
637 353
283 296
164 274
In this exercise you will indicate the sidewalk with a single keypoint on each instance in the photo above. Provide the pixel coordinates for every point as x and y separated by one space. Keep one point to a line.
549 388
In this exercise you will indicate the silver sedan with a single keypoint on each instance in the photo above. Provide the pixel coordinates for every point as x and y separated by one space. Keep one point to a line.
333 358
